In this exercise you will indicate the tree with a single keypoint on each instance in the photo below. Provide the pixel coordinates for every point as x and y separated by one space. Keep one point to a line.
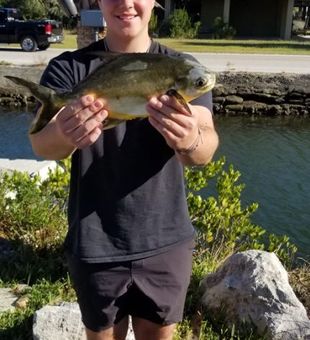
35 9
53 9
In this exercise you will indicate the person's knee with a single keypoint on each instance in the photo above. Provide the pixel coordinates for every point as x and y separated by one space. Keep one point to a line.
118 332
144 329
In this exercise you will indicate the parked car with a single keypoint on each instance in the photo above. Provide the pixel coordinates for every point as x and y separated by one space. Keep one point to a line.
30 34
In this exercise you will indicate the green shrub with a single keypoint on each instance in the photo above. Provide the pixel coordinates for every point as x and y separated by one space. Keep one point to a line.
221 222
29 213
153 24
222 30
33 218
181 25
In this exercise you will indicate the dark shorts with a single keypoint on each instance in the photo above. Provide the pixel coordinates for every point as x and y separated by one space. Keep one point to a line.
153 288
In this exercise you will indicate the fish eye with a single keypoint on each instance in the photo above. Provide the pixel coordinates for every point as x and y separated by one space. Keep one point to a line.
200 82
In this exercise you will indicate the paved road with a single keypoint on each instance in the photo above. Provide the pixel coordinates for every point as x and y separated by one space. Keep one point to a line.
256 62
218 62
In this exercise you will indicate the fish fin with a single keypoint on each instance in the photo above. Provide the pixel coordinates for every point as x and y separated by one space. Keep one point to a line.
46 96
42 118
174 93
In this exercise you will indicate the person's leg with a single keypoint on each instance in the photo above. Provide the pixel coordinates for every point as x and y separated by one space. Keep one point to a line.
101 292
118 332
144 329
157 296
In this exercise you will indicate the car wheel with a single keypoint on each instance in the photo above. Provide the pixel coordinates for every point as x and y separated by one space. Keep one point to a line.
28 43
44 47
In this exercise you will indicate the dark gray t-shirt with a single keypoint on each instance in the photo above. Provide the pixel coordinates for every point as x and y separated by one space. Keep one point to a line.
127 196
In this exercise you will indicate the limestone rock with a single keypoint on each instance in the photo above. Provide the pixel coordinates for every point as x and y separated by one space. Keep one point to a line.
234 100
21 302
58 322
253 286
7 299
10 298
61 322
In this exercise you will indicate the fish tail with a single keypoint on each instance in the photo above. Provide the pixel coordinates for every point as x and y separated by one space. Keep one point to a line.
47 98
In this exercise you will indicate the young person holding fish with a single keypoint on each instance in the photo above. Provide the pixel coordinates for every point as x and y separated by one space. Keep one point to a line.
130 238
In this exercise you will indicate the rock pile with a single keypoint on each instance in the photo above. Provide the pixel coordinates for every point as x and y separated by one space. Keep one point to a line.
260 94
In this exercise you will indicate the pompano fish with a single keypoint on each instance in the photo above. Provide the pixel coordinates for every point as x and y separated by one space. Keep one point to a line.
127 81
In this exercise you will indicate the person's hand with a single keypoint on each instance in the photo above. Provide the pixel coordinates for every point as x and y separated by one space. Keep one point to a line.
81 121
170 118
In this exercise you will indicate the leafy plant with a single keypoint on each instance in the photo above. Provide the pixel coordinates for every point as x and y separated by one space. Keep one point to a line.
223 30
222 222
181 25
35 9
33 219
153 24
29 212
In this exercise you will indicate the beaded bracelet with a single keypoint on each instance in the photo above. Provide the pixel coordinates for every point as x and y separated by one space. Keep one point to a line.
193 146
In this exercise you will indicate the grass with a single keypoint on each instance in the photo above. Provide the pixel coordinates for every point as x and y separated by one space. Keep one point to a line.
300 281
214 46
17 325
219 46
239 46
4 63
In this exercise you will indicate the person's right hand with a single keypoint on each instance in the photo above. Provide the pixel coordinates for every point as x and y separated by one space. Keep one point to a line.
81 122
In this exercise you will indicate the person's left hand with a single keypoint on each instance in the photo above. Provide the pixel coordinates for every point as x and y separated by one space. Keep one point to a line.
170 118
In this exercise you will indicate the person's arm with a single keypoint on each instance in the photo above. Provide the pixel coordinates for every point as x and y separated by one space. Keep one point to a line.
192 136
76 125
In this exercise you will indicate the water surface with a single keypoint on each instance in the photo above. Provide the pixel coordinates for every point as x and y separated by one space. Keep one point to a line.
14 142
273 156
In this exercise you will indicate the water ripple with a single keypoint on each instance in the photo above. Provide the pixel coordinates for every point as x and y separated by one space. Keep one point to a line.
273 156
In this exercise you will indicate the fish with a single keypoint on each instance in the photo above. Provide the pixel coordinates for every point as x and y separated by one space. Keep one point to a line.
126 81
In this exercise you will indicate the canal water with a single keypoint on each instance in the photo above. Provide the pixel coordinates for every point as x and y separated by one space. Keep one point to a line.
272 154
14 143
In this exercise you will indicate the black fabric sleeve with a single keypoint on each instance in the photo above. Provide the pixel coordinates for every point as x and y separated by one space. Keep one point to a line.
204 100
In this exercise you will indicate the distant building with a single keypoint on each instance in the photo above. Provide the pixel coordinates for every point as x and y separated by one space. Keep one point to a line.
303 13
263 18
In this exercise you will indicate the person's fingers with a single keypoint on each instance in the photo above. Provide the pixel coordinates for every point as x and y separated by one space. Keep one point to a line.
164 123
71 120
175 104
89 139
81 109
87 128
75 106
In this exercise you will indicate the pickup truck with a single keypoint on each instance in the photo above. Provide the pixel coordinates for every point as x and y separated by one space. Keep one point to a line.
30 34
